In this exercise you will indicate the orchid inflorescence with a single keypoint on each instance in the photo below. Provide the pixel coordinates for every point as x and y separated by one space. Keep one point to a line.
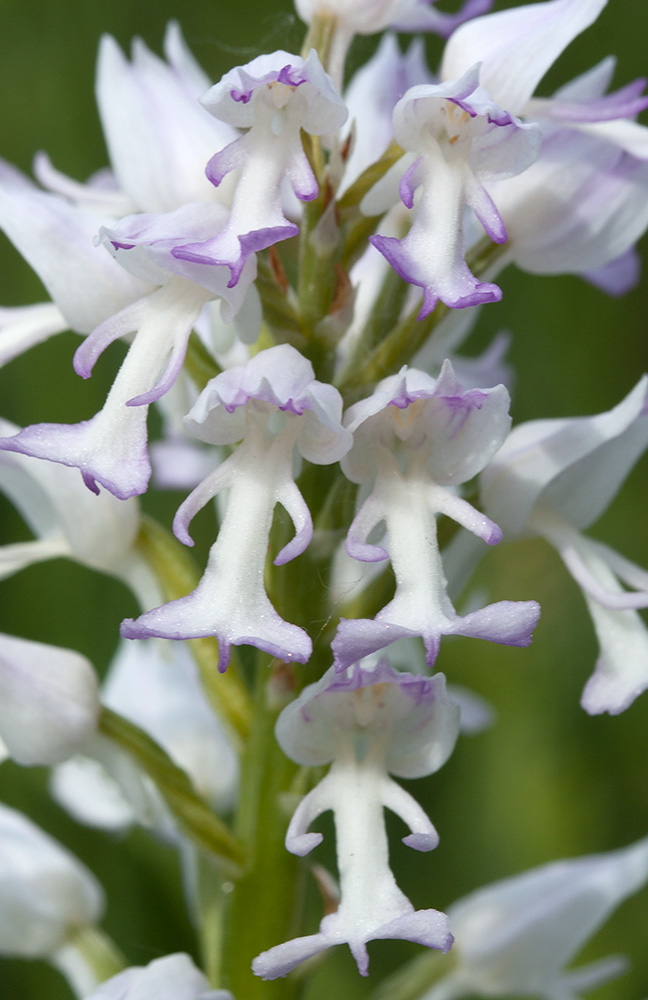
294 260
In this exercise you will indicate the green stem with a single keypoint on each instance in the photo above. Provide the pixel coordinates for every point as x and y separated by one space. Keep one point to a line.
373 173
87 955
199 364
213 895
320 37
193 814
384 315
264 908
278 307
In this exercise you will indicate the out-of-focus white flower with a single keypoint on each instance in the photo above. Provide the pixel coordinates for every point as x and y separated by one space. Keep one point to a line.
554 478
49 701
366 17
69 522
153 684
173 977
45 893
515 937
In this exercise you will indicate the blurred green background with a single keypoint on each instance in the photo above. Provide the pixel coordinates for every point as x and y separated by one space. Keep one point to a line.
547 781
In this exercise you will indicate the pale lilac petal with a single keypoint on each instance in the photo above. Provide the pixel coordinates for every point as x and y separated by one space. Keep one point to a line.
231 100
489 368
574 466
485 209
461 428
298 840
366 17
619 276
427 927
423 836
180 57
18 555
124 470
581 205
508 623
629 136
593 83
621 672
56 239
291 499
516 47
584 558
25 326
218 480
282 377
194 617
156 685
120 325
156 246
283 958
624 103
151 116
420 15
423 722
368 517
64 516
98 195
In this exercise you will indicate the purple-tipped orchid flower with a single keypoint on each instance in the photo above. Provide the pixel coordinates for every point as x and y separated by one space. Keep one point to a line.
150 114
162 297
573 203
371 96
274 97
554 478
273 405
461 138
368 723
584 202
110 449
415 440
